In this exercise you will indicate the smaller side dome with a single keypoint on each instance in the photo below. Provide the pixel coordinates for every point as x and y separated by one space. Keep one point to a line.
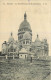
11 39
37 39
27 35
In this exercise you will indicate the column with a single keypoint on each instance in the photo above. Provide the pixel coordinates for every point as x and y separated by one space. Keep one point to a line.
25 41
6 56
13 56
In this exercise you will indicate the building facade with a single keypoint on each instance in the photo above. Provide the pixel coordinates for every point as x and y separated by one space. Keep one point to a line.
12 47
25 34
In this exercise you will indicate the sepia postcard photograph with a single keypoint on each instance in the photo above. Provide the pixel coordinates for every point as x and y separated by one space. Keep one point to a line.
25 39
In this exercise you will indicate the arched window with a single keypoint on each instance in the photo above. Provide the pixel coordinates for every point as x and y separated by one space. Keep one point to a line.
14 50
27 42
23 42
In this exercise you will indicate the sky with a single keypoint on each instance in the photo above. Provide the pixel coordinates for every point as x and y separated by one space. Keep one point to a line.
38 15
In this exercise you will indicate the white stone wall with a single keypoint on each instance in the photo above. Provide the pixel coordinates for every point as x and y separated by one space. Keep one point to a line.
22 56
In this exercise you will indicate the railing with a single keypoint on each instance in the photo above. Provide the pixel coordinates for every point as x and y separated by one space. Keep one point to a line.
8 57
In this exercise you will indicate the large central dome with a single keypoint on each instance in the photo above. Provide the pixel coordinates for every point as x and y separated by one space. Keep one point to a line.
24 31
25 24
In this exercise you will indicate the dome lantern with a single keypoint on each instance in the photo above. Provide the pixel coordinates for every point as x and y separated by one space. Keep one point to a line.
37 35
11 33
25 16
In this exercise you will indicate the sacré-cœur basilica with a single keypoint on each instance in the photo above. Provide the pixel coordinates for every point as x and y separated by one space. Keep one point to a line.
24 46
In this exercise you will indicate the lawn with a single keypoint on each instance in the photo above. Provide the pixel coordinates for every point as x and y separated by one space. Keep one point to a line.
20 69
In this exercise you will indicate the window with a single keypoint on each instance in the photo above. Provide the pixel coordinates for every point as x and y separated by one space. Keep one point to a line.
30 49
30 42
23 42
8 50
14 50
27 42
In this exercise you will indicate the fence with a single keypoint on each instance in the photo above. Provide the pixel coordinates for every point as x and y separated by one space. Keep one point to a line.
8 57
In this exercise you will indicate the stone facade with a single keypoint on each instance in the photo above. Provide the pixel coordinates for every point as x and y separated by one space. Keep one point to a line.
40 48
25 34
12 47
